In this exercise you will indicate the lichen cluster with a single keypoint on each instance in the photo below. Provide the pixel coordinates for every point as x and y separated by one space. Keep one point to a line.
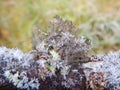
104 71
111 67
59 61
55 62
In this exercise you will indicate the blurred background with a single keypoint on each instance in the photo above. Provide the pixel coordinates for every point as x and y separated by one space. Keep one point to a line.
98 20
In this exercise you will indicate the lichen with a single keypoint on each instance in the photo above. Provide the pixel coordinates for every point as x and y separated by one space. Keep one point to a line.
59 60
109 65
50 62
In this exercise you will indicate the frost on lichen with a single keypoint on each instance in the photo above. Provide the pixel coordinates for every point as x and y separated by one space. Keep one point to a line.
54 63
14 67
105 71
63 43
111 67
59 61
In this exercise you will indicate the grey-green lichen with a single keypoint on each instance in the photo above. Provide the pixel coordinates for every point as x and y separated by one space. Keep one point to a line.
107 67
59 60
50 63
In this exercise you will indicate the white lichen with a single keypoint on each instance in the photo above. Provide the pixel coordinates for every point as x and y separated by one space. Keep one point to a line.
61 66
109 65
34 83
10 58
